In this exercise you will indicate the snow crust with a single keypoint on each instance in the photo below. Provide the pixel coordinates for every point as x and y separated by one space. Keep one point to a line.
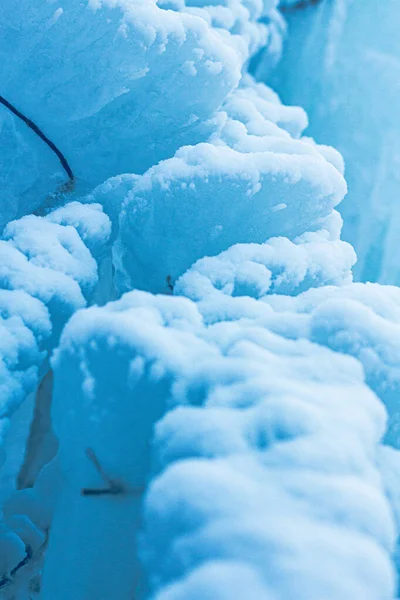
255 170
47 272
116 52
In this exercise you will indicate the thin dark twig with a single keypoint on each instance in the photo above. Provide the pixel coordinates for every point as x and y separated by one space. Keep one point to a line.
300 5
8 579
23 562
92 456
114 487
40 134
170 285
111 491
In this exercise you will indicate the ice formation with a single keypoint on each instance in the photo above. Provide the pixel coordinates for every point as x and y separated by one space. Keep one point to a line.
351 104
47 272
214 399
94 80
254 422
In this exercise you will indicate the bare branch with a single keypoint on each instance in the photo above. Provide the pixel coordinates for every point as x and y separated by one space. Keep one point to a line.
300 5
113 487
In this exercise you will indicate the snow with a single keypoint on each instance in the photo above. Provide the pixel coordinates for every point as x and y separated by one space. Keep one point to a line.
217 579
299 291
27 516
360 320
254 183
273 422
214 399
47 272
116 52
278 266
246 20
100 413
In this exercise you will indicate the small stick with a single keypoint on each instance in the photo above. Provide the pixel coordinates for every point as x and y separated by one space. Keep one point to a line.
23 562
92 456
41 135
114 487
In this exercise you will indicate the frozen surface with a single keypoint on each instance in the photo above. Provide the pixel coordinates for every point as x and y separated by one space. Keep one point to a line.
226 414
244 185
101 79
344 70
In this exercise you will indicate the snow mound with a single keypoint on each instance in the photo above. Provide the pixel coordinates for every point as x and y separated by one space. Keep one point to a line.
361 320
47 272
223 440
209 197
251 420
49 269
247 20
304 290
277 267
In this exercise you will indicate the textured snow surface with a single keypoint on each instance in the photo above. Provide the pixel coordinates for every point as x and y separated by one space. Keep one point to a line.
116 54
225 398
254 423
46 273
49 269
241 186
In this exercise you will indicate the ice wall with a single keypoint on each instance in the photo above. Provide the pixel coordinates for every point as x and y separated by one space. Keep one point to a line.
91 75
341 63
